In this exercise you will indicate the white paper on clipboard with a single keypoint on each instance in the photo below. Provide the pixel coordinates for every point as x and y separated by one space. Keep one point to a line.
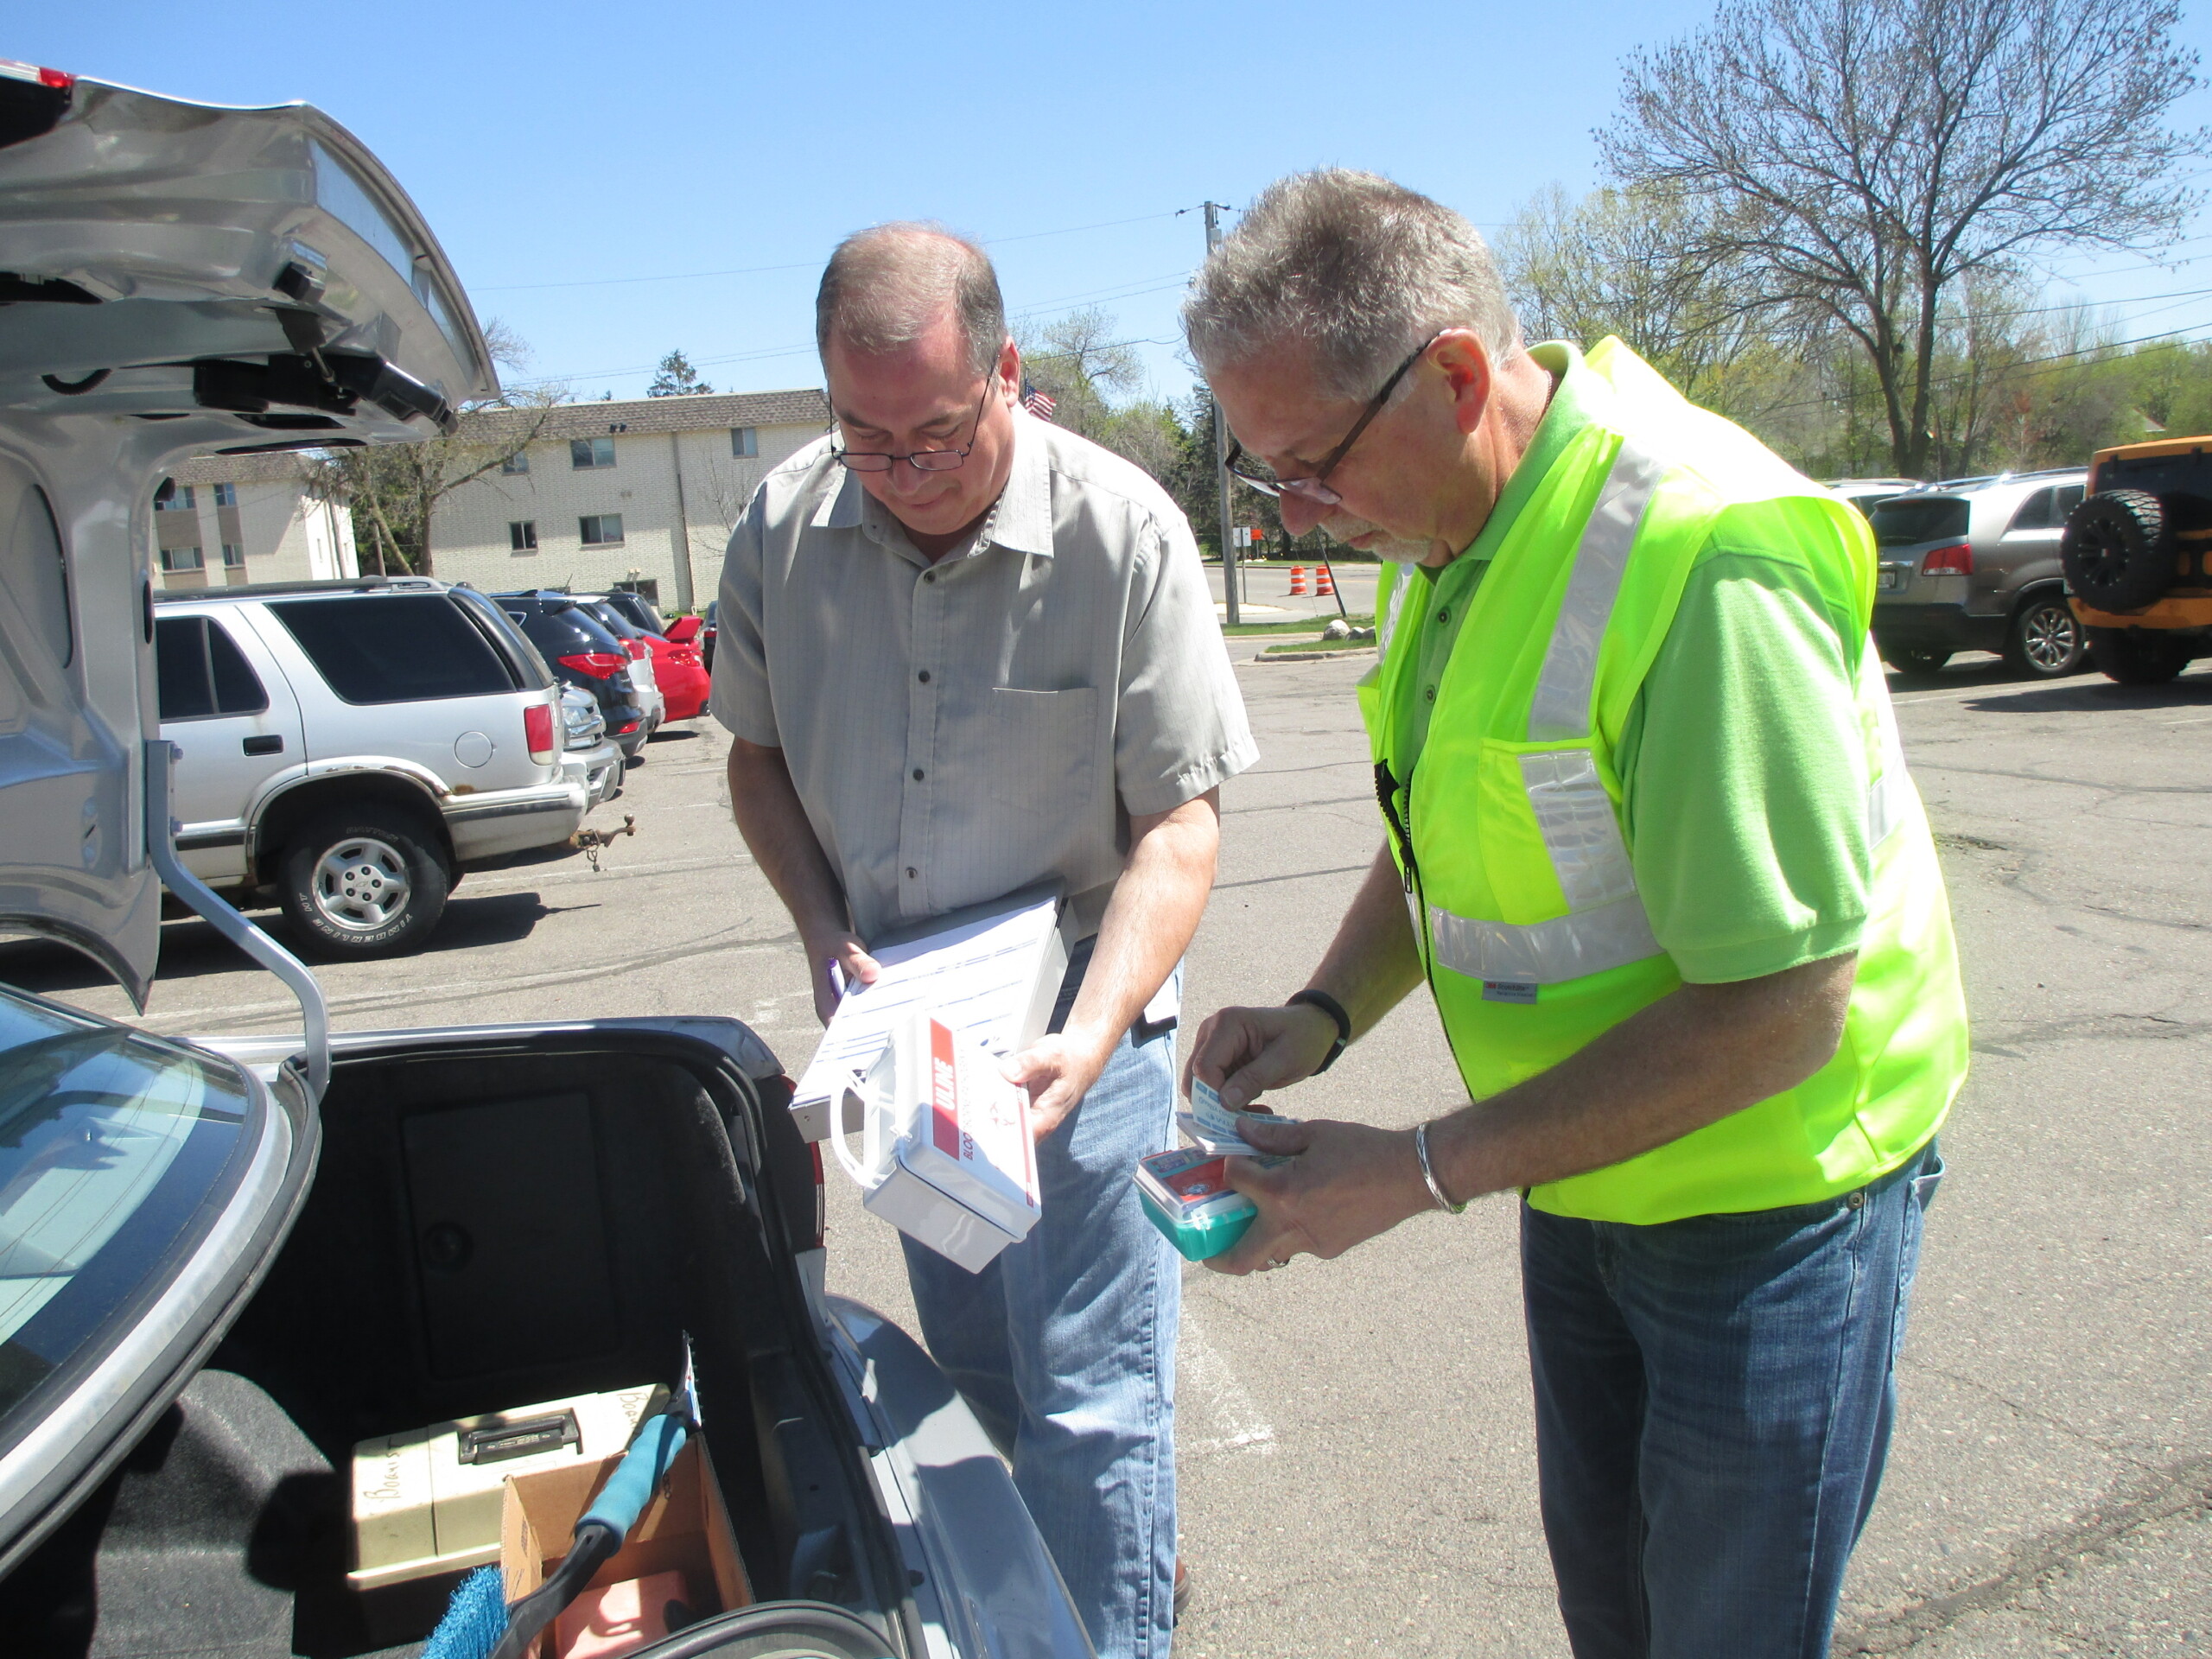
990 973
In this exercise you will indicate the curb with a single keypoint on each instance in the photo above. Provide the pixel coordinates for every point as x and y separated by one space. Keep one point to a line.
1312 656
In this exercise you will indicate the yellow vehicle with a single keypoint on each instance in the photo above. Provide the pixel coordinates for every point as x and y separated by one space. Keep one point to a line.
2134 554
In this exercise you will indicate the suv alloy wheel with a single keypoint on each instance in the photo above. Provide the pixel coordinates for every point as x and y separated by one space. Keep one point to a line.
363 883
2044 641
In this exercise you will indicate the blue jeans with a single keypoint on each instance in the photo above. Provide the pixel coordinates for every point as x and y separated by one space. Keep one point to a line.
1064 1348
1713 1404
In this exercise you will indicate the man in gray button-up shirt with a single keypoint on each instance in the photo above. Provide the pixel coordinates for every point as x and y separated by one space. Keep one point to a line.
964 651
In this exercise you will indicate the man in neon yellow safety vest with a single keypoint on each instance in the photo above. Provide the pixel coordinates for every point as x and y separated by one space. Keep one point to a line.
1651 843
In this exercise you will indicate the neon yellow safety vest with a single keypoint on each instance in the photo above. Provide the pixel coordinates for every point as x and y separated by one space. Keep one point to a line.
1507 827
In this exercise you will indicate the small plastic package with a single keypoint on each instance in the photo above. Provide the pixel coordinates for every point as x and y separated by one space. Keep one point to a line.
1186 1193
946 1154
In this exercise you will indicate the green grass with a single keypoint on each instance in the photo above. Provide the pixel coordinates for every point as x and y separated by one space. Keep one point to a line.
1302 624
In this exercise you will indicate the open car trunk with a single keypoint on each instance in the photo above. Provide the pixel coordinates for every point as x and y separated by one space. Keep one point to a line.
496 1221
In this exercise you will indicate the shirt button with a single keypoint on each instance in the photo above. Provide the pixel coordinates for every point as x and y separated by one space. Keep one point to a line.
911 872
923 677
918 774
929 575
1444 615
1430 694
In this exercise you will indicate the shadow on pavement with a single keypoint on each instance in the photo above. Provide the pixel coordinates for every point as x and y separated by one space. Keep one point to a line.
192 949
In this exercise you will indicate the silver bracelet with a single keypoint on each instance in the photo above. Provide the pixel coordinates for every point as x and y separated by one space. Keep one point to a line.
1428 1173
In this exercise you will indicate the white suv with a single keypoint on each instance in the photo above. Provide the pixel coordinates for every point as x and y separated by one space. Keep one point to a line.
355 746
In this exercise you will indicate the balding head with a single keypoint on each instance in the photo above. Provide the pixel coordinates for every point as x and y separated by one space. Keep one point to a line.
885 287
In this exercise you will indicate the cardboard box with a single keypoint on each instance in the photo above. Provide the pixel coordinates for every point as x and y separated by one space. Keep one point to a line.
428 1502
685 1528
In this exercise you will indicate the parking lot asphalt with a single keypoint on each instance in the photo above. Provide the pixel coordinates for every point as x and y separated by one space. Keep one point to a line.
1356 1464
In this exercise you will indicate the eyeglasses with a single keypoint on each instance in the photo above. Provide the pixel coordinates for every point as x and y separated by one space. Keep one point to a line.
922 461
1311 486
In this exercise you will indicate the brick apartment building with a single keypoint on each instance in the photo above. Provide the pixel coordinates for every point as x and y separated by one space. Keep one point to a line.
644 491
225 519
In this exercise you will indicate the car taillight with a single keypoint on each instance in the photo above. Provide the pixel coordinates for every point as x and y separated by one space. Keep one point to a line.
1957 560
58 80
537 732
625 731
599 664
685 657
636 648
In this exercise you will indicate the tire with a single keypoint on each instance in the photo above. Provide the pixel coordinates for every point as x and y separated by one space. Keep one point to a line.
2045 641
2136 656
2118 549
368 882
1915 659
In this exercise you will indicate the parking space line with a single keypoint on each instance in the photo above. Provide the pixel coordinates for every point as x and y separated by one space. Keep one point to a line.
1207 1389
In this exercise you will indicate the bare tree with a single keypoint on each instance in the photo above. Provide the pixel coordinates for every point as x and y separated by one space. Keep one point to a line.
392 490
1855 159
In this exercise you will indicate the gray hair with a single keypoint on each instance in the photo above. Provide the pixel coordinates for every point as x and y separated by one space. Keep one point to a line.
1358 270
886 286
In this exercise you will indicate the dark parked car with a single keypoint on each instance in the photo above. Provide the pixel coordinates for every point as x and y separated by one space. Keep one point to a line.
639 609
578 648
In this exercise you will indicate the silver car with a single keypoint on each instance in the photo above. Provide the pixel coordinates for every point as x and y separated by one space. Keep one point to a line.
222 1267
589 755
1973 565
355 746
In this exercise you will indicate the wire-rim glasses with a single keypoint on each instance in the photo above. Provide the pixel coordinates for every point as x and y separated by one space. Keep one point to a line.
1311 486
922 461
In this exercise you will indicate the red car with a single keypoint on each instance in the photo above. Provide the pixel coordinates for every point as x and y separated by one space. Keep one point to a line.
677 668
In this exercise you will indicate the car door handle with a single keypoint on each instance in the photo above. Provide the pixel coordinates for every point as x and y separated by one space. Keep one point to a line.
272 744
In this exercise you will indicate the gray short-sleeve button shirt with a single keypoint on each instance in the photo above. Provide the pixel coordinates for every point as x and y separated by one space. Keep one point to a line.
957 731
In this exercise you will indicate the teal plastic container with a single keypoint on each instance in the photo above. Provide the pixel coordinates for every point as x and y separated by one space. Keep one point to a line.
1208 1236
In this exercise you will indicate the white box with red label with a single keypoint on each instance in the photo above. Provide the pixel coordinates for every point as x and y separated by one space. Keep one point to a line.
946 1154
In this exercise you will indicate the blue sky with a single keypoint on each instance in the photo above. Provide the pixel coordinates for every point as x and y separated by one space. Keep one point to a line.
562 152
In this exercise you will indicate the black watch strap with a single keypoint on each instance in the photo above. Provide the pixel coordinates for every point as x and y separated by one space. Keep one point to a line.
1335 1010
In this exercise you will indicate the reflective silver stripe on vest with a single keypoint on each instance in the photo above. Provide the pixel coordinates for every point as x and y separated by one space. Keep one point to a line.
1889 795
1399 583
1548 953
1581 832
1561 709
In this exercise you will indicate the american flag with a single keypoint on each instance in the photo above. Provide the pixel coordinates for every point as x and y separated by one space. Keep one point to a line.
1035 402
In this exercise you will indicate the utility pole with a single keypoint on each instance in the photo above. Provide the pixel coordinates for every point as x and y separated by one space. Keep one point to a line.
1221 452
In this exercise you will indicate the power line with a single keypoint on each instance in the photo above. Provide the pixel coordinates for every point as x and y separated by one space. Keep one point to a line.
802 265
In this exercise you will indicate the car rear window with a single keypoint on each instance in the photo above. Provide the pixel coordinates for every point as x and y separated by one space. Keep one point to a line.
569 631
1905 520
395 647
120 1151
201 671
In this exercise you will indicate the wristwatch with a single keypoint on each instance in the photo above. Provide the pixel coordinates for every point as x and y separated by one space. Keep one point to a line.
1335 1010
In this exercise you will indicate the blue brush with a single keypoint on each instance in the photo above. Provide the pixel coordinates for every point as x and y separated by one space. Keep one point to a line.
475 1619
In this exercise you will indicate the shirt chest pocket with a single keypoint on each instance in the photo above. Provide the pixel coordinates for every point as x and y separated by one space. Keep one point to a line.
1040 750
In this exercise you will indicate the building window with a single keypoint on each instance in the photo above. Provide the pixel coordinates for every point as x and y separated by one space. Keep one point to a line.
234 556
179 500
586 454
601 529
744 441
226 495
181 558
522 535
518 462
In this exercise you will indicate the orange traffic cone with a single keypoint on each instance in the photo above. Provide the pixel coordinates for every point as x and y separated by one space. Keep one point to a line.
1324 583
1298 581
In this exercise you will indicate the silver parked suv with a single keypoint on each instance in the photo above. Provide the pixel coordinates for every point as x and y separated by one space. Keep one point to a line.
355 746
1973 565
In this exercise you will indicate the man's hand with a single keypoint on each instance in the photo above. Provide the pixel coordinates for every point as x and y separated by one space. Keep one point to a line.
1348 1182
853 960
1058 1072
1245 1051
